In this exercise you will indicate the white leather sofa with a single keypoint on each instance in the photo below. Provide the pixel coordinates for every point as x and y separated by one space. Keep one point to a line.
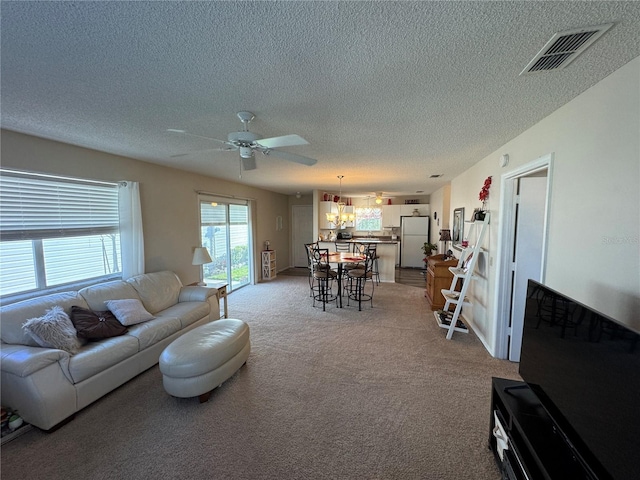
47 385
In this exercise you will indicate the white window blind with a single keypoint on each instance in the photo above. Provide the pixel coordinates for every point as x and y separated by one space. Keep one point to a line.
56 231
38 207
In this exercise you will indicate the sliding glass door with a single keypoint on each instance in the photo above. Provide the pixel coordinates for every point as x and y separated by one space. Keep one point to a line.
226 233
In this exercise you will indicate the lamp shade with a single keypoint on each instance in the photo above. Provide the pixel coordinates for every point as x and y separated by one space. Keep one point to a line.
445 235
201 256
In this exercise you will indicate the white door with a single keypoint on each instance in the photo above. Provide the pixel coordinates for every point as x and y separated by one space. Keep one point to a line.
527 249
301 232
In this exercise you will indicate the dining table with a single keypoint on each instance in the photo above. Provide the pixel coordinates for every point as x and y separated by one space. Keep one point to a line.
341 259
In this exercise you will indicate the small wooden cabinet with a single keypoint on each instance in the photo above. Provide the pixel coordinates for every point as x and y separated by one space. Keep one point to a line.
268 264
438 277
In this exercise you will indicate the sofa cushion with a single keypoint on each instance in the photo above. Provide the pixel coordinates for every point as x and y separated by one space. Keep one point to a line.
96 295
152 332
129 311
96 325
158 291
14 315
53 330
96 357
187 312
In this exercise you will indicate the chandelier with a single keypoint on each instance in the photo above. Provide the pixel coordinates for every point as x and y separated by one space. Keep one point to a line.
340 218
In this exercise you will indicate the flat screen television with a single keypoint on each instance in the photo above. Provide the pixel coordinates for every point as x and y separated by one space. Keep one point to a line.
585 369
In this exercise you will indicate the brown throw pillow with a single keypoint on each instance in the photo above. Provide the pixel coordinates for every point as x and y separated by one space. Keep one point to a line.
96 325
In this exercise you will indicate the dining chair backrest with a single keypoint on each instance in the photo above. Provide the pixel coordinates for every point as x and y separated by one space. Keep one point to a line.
369 257
309 249
360 248
343 247
320 257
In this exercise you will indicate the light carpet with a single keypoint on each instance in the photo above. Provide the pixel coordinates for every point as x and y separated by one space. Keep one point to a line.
341 394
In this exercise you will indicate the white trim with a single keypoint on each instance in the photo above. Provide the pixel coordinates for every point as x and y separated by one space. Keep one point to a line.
503 278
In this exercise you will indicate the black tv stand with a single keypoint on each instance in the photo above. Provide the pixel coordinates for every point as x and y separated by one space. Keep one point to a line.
537 448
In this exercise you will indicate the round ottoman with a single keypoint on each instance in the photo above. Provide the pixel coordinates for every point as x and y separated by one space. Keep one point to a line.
203 358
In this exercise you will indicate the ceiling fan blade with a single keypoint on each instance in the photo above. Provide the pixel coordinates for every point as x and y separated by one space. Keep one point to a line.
292 157
249 163
184 132
284 141
221 149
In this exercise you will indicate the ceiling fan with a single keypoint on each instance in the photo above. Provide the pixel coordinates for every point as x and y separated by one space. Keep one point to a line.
248 142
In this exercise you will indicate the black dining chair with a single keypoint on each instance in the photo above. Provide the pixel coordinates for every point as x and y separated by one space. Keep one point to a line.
373 248
324 276
312 284
357 281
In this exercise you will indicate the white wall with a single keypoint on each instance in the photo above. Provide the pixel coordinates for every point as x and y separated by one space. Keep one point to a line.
593 251
169 202
440 205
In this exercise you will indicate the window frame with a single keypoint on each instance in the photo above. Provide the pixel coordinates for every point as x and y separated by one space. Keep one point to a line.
361 213
58 221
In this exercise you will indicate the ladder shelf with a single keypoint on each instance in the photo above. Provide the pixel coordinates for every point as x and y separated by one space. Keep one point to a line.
453 321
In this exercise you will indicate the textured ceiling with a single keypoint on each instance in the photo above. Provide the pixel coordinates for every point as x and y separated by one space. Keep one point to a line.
387 93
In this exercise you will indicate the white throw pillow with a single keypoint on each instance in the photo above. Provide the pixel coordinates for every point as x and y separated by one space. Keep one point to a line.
53 330
129 311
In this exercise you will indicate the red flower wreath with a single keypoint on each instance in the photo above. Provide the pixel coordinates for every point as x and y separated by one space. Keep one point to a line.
484 191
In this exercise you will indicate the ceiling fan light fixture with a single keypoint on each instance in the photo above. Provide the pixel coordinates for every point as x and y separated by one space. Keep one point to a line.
379 198
246 152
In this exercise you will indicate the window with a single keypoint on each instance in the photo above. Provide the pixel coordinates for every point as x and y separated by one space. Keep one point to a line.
369 219
55 231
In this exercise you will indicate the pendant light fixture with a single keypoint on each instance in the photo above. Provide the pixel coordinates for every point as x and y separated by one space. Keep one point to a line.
340 218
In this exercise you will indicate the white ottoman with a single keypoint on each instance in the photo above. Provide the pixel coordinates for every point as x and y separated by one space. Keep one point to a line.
203 358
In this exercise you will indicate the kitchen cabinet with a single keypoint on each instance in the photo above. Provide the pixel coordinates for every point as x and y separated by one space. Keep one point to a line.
323 209
391 215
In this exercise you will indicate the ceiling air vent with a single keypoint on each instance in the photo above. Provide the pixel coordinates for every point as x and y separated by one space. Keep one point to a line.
564 47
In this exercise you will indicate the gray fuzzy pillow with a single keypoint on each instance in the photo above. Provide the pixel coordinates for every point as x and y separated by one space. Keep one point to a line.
53 330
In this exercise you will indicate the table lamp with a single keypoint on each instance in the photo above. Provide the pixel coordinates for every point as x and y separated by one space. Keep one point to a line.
445 236
201 257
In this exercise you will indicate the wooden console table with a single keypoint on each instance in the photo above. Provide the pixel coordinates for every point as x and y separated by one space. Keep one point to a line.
438 277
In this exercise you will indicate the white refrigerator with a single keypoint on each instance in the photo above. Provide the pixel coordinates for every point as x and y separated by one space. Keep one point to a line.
414 232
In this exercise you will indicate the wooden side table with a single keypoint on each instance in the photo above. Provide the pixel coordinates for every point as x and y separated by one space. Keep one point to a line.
222 293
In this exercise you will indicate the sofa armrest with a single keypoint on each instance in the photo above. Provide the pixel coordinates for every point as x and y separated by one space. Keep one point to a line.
196 294
22 360
36 381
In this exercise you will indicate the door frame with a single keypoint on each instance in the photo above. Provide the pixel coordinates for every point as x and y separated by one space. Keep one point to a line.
295 211
506 237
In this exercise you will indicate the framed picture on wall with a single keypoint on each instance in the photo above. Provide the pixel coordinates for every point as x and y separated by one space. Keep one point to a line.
457 232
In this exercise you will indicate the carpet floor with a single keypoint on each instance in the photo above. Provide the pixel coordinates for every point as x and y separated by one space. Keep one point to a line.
341 394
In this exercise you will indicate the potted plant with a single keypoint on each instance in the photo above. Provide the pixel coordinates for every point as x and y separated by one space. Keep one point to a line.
482 196
427 249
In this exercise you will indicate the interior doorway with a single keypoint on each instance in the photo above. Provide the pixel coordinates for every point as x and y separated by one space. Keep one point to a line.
301 233
525 203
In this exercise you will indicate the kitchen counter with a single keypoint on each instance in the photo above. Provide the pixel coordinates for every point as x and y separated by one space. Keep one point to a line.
370 240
